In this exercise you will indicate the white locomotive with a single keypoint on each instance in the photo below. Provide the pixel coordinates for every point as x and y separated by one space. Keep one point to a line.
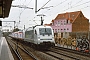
37 36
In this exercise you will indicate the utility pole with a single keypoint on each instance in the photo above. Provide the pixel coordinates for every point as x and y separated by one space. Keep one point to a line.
24 27
36 6
41 15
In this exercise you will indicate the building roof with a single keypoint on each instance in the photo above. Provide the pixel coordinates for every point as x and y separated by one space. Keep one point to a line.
69 16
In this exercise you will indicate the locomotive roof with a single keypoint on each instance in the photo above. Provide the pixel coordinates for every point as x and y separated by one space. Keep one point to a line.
37 26
42 26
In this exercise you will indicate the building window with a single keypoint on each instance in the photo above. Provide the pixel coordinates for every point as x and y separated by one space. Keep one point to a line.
55 23
52 23
58 22
61 23
73 15
63 15
67 29
64 22
58 30
53 30
67 21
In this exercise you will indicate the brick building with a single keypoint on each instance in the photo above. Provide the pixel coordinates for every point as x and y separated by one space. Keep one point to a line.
89 26
70 22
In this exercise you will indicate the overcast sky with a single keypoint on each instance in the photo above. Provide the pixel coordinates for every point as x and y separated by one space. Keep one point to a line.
26 16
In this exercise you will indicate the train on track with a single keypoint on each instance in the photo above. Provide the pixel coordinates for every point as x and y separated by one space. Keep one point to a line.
39 36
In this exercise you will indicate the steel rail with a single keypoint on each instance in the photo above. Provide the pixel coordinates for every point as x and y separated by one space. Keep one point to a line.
65 55
16 52
26 51
53 56
73 51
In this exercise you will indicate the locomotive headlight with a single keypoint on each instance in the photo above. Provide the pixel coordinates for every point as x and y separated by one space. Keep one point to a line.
53 37
38 38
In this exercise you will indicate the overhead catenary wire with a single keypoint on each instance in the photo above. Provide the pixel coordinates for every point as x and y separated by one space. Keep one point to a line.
46 7
57 5
42 6
77 2
21 6
24 9
74 6
51 6
85 7
60 3
65 1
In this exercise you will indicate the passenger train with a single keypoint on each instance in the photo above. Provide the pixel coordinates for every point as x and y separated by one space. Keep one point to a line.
37 36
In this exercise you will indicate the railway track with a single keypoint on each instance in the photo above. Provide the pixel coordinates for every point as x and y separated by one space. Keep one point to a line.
73 51
48 53
20 52
55 53
73 56
15 53
60 56
69 53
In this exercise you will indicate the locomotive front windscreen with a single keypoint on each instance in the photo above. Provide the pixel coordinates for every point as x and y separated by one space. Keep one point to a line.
45 31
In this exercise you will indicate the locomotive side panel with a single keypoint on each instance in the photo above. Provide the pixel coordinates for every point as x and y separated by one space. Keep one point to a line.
29 36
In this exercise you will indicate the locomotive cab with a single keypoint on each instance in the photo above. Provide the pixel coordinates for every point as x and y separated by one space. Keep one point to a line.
44 36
